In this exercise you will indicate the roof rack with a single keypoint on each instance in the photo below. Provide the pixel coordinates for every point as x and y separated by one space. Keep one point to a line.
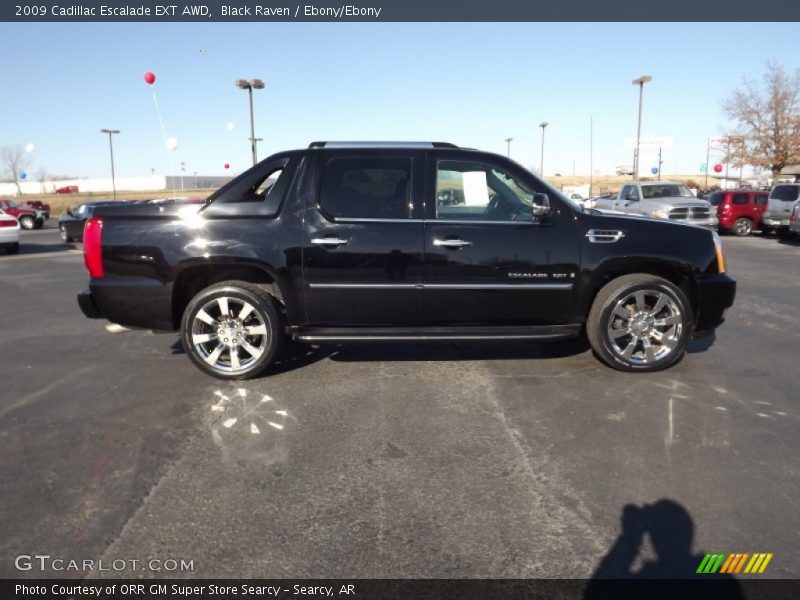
381 145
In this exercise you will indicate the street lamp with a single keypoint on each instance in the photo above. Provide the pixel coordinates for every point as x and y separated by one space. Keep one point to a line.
640 82
252 84
543 124
508 144
111 132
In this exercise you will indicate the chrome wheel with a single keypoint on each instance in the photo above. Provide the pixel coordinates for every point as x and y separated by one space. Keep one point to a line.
63 232
27 223
743 227
229 334
644 327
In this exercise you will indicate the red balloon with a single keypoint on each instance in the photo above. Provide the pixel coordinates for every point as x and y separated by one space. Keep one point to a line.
150 78
227 166
717 168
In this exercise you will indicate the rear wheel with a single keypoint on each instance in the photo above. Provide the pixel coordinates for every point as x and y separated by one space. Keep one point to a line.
639 322
742 227
232 330
27 222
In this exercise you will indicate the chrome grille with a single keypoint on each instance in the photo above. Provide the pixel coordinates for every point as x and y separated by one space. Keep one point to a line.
692 213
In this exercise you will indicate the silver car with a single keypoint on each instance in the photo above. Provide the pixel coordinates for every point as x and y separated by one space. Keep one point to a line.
782 199
661 200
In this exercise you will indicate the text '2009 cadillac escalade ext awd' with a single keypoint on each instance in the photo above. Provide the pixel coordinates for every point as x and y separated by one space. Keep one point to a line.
350 242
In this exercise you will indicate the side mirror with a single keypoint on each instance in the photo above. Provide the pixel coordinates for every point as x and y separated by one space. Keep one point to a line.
541 206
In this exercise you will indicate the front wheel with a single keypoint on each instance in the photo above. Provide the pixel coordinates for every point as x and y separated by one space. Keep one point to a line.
232 330
65 236
639 322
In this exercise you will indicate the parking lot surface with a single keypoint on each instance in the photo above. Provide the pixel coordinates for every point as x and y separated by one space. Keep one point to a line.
449 460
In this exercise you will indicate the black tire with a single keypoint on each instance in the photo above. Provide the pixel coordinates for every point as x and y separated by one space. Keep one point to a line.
785 234
38 224
65 236
742 227
228 353
27 222
608 331
12 248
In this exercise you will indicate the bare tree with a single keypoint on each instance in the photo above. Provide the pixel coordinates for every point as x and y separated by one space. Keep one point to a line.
13 159
41 177
768 115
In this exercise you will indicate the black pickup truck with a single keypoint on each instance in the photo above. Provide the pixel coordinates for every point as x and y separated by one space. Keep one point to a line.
364 242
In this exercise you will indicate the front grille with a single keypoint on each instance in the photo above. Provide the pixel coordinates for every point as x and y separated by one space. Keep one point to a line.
695 213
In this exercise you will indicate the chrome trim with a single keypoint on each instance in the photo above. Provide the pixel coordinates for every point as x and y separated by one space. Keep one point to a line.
478 222
365 286
443 286
604 236
329 241
374 220
451 243
498 286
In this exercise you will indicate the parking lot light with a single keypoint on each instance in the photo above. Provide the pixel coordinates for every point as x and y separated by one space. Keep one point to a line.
250 85
111 132
640 81
543 124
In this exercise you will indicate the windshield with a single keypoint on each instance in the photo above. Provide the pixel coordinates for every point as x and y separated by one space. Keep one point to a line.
666 190
785 192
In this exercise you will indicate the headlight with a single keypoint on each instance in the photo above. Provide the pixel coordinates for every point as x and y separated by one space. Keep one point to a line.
660 214
720 254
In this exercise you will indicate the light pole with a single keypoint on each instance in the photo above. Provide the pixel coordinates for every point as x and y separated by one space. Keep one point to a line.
543 124
640 82
111 132
508 145
250 85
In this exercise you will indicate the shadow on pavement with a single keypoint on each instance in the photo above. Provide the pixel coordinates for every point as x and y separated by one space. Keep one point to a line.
670 529
26 248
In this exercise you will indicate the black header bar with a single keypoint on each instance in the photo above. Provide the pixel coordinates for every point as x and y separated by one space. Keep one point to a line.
399 10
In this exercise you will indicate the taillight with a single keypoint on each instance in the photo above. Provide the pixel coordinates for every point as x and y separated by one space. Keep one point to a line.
92 247
8 223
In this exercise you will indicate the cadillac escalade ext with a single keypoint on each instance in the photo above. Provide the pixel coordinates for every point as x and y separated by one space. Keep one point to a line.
367 242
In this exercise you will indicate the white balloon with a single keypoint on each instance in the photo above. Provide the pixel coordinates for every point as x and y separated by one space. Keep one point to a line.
30 148
172 143
231 125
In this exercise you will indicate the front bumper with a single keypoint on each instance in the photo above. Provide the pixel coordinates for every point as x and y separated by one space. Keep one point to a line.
717 293
707 223
87 306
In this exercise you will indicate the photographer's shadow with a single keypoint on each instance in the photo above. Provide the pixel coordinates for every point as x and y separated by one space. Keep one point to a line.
671 531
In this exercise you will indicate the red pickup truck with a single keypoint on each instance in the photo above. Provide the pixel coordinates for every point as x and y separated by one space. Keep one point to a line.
29 218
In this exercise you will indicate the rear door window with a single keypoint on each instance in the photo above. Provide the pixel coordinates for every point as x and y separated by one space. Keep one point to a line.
741 198
761 199
371 188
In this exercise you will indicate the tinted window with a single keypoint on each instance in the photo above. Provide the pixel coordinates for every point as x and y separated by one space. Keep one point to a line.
761 199
785 192
378 188
716 198
476 191
630 190
666 191
741 198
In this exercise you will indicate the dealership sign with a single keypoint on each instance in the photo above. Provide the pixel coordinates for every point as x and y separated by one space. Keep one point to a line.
652 142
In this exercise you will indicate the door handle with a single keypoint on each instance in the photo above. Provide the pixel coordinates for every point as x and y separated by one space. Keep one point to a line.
329 241
452 243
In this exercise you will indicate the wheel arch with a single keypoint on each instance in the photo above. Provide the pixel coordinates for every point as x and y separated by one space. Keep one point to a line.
192 277
683 275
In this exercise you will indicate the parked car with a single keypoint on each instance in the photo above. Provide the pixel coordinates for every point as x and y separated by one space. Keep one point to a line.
37 205
347 243
9 233
739 211
67 189
779 207
794 219
70 224
661 200
29 218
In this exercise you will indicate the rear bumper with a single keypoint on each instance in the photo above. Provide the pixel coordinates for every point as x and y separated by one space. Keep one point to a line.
87 306
770 221
717 293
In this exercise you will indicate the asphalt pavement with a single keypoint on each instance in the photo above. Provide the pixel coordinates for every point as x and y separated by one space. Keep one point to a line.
451 460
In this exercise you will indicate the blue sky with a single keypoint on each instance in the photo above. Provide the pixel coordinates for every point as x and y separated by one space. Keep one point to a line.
472 84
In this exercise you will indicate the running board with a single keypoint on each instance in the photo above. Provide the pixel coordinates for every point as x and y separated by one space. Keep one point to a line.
433 334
